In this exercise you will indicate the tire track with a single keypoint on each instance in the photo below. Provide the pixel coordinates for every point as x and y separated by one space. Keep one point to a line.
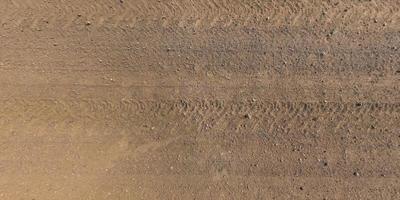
261 53
197 113
204 13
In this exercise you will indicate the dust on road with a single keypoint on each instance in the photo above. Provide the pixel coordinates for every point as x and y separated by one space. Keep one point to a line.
204 99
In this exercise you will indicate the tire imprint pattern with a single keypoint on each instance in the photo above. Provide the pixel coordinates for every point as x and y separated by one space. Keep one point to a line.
203 13
203 114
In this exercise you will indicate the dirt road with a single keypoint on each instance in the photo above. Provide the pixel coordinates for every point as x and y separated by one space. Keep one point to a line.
205 99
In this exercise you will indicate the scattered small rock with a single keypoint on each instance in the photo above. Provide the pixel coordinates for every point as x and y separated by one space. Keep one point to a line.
356 174
88 23
247 116
332 32
372 127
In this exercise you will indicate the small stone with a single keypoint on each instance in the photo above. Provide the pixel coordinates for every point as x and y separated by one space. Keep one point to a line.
332 32
88 23
247 116
356 174
372 127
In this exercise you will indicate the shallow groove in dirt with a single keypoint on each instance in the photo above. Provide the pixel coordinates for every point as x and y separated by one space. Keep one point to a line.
201 14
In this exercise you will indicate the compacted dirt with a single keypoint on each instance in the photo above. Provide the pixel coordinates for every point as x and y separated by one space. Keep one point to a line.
199 99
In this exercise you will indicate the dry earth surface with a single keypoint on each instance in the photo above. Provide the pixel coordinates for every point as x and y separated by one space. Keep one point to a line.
199 99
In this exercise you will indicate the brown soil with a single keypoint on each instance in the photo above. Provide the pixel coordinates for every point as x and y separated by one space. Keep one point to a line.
205 99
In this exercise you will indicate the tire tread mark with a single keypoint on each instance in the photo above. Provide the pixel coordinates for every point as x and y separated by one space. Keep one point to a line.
204 13
202 114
